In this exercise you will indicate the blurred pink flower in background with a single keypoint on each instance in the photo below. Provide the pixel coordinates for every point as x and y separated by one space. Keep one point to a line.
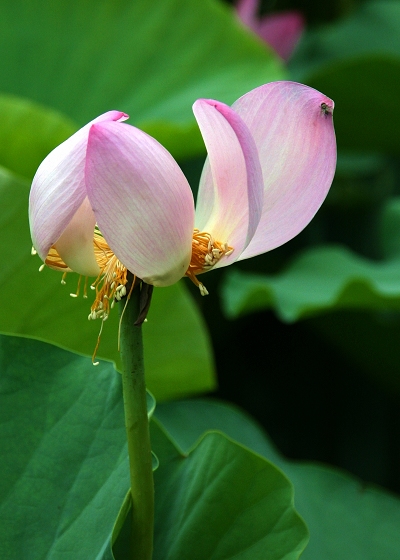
281 30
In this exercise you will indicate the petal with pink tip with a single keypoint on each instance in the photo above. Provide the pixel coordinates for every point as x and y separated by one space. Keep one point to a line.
142 202
58 191
293 129
230 195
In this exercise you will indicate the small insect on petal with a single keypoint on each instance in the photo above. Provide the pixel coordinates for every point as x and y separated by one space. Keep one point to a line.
326 109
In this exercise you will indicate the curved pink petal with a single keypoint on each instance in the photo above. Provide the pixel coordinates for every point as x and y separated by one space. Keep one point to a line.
142 202
58 191
293 129
230 195
282 31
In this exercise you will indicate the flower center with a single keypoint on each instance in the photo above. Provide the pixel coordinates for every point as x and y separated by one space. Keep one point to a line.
109 284
206 252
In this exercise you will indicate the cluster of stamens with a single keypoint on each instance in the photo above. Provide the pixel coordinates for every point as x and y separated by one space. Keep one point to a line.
206 252
110 284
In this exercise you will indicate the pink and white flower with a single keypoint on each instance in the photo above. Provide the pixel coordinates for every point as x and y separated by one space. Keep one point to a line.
111 198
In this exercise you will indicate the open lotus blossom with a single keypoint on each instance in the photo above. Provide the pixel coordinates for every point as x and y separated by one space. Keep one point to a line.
112 199
281 30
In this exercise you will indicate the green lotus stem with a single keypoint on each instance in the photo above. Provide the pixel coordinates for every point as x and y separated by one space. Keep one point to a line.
137 429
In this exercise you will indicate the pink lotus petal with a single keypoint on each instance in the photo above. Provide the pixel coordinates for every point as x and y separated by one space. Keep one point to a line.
58 191
75 244
293 129
282 31
142 202
231 187
247 10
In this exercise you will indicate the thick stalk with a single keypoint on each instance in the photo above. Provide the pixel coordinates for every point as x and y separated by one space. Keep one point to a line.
137 430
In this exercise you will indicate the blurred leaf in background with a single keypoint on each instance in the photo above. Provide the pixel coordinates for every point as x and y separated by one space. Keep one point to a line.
150 60
326 278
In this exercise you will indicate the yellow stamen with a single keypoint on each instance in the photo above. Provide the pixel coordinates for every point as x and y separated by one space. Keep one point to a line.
111 281
85 288
54 261
78 288
109 285
97 345
206 252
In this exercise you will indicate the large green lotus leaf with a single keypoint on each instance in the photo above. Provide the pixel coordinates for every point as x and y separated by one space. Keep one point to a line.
356 61
347 519
319 280
149 60
222 501
28 132
65 472
178 354
63 452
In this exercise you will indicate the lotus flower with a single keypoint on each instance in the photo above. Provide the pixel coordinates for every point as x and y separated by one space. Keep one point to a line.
281 30
112 199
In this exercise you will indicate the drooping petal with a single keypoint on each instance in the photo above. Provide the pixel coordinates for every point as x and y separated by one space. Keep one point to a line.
282 31
58 191
293 129
142 201
230 195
